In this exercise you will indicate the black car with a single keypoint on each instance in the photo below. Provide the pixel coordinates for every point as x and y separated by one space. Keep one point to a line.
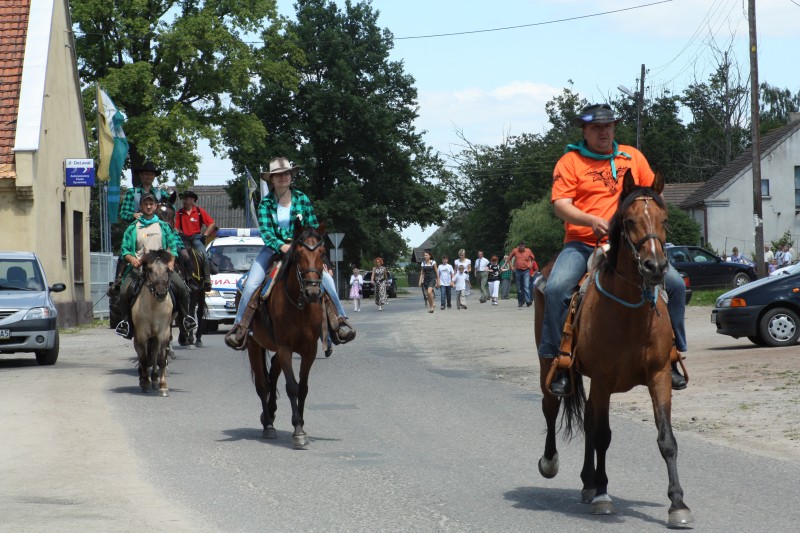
706 270
766 311
368 290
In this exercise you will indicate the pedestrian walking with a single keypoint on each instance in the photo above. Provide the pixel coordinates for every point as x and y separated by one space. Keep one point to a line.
460 285
446 274
356 284
482 275
505 278
493 279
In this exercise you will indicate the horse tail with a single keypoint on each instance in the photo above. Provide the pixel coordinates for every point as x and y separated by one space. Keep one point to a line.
574 406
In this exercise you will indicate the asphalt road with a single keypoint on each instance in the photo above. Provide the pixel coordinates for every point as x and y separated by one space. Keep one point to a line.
405 436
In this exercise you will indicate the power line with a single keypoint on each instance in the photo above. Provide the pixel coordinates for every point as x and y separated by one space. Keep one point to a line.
532 24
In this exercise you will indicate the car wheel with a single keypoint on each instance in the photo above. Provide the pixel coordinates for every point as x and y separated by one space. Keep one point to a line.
757 340
740 279
392 291
779 327
48 357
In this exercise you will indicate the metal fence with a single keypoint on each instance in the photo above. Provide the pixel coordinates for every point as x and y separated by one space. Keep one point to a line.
103 267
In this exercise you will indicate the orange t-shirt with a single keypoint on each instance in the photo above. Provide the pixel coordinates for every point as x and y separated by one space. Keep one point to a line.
593 190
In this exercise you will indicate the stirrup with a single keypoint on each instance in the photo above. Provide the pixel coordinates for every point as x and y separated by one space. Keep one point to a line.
236 340
189 323
123 329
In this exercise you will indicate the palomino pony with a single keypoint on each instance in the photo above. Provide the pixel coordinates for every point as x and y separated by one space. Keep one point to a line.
622 338
192 276
290 321
152 315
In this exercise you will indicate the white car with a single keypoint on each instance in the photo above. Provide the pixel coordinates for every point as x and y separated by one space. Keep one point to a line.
233 251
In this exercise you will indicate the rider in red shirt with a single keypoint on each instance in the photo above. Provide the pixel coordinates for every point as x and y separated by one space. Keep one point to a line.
189 223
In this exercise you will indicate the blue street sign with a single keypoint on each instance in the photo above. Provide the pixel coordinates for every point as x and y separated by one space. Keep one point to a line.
79 172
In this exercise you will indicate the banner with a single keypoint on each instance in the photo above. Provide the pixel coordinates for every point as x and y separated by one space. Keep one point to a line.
113 149
250 207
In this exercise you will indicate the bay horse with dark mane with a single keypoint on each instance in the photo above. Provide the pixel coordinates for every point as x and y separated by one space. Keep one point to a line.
290 321
192 273
622 338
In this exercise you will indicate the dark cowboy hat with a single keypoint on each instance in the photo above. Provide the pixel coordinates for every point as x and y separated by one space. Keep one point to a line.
149 166
595 114
148 196
278 165
190 194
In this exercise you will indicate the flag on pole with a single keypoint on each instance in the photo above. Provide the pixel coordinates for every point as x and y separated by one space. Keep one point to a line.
113 149
249 206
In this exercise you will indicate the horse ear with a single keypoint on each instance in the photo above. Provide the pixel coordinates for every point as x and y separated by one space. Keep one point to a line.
173 197
321 228
628 184
298 228
658 183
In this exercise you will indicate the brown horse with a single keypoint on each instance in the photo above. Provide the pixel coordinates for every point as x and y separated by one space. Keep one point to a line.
152 315
290 321
622 338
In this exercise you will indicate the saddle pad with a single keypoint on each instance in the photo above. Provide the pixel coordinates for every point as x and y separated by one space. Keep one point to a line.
267 285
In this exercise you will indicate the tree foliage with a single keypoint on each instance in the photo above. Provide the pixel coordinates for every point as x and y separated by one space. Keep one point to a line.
179 71
349 124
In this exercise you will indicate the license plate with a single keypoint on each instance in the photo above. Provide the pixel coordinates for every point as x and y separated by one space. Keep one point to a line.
230 305
5 333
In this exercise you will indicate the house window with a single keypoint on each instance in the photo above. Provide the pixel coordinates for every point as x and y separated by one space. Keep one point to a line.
63 231
77 244
764 188
797 189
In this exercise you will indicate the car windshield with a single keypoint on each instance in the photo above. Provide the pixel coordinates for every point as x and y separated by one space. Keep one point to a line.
20 275
234 257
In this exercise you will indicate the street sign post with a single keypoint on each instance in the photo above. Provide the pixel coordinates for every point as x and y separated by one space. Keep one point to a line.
336 253
79 172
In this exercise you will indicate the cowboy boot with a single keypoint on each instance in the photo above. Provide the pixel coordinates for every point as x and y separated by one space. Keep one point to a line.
678 381
236 337
560 385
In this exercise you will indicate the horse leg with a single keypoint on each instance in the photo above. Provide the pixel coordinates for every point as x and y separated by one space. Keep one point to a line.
153 346
162 359
299 440
272 402
598 438
141 353
199 314
661 395
306 361
258 365
548 463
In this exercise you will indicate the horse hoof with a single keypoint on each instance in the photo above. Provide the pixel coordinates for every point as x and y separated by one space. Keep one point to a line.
602 505
300 442
163 392
191 346
548 469
680 519
198 344
587 495
270 433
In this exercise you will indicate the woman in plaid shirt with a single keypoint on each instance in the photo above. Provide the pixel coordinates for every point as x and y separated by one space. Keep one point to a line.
278 213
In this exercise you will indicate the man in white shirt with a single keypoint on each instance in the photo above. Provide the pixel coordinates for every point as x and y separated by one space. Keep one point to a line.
446 274
482 276
784 256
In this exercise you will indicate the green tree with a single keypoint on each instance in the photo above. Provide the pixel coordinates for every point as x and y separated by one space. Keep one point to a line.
179 70
536 224
350 124
682 229
775 105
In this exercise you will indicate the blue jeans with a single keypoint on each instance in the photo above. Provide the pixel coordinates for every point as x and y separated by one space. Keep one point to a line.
523 279
444 290
563 281
258 271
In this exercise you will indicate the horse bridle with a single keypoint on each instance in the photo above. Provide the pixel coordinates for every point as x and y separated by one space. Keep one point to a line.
152 286
650 236
303 278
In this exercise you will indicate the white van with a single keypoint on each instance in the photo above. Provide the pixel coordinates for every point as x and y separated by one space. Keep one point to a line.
233 251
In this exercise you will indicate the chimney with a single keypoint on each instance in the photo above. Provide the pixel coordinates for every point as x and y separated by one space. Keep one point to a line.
794 116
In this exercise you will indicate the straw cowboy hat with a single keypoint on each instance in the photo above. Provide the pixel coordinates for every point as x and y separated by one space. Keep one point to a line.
278 165
595 114
149 166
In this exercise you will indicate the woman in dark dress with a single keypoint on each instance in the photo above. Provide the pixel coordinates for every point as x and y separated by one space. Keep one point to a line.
429 278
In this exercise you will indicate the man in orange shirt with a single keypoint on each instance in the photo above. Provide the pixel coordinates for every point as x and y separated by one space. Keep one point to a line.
586 188
194 224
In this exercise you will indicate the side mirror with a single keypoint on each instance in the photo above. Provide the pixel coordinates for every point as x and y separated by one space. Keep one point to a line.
58 287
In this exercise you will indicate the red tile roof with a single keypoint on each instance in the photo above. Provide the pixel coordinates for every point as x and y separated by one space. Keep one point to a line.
13 28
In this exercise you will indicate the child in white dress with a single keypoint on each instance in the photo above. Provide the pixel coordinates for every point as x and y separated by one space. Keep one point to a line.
356 281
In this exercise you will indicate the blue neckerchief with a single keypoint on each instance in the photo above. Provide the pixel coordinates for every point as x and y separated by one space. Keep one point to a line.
146 222
584 151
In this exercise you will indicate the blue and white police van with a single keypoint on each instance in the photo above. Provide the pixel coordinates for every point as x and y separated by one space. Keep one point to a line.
233 251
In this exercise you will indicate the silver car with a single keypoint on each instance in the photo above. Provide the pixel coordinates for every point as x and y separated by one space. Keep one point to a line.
27 311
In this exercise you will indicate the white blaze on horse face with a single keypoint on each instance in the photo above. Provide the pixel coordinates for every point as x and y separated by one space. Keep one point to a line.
650 225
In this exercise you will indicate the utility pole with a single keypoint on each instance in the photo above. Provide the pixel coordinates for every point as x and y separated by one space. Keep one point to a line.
758 220
639 106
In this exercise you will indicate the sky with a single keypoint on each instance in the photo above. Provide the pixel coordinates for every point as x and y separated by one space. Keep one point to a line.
492 84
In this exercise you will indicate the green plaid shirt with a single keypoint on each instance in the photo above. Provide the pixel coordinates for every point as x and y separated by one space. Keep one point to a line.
130 203
273 235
